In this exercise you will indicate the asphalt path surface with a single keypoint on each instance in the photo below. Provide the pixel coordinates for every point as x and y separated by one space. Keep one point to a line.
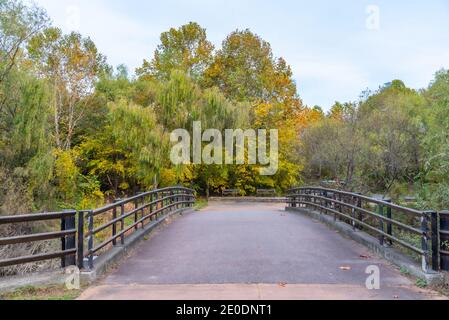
251 251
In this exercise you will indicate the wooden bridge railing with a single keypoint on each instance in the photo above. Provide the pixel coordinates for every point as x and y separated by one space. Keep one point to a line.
124 217
80 231
67 235
417 231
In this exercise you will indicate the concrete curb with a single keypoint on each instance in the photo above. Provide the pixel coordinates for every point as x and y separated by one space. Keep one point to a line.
390 254
248 199
41 279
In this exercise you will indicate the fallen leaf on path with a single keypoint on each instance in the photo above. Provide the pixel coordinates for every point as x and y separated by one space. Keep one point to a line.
345 268
282 284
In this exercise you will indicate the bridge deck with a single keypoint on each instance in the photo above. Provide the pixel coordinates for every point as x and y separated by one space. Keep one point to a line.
238 251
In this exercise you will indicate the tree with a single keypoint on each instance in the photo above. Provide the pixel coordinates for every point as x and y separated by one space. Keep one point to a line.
393 125
177 103
18 24
128 152
246 70
434 176
71 64
25 152
185 49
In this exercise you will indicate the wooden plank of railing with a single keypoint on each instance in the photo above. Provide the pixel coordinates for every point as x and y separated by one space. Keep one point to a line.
122 233
375 215
35 217
374 229
36 258
366 198
36 237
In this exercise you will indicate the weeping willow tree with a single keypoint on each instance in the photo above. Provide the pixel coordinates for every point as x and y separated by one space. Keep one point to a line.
177 104
25 150
26 161
136 129
129 152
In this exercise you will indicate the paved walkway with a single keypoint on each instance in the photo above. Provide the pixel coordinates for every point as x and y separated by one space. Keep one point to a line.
251 251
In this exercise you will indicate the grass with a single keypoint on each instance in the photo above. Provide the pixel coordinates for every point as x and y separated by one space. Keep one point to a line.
45 293
200 204
421 283
404 271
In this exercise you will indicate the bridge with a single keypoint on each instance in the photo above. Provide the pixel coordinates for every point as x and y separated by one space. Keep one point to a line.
320 244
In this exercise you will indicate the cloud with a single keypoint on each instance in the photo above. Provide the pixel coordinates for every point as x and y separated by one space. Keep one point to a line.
122 38
332 53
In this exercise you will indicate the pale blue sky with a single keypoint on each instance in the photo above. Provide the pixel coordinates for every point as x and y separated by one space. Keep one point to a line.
333 54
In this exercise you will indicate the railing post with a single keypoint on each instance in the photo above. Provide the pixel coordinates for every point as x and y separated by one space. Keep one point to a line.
68 242
306 199
360 213
63 242
326 203
353 213
136 213
434 223
381 224
157 205
90 240
340 207
313 199
293 199
114 225
425 241
80 234
444 240
122 223
335 206
142 202
321 201
389 225
151 206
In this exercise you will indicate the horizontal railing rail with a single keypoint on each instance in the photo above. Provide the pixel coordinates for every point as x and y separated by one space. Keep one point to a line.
393 224
79 231
67 235
116 222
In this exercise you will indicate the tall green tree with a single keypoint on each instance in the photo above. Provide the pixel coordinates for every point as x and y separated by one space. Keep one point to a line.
18 24
186 49
25 152
128 153
245 69
435 174
72 65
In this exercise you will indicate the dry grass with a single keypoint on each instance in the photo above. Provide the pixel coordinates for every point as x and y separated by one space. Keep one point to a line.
26 249
44 293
